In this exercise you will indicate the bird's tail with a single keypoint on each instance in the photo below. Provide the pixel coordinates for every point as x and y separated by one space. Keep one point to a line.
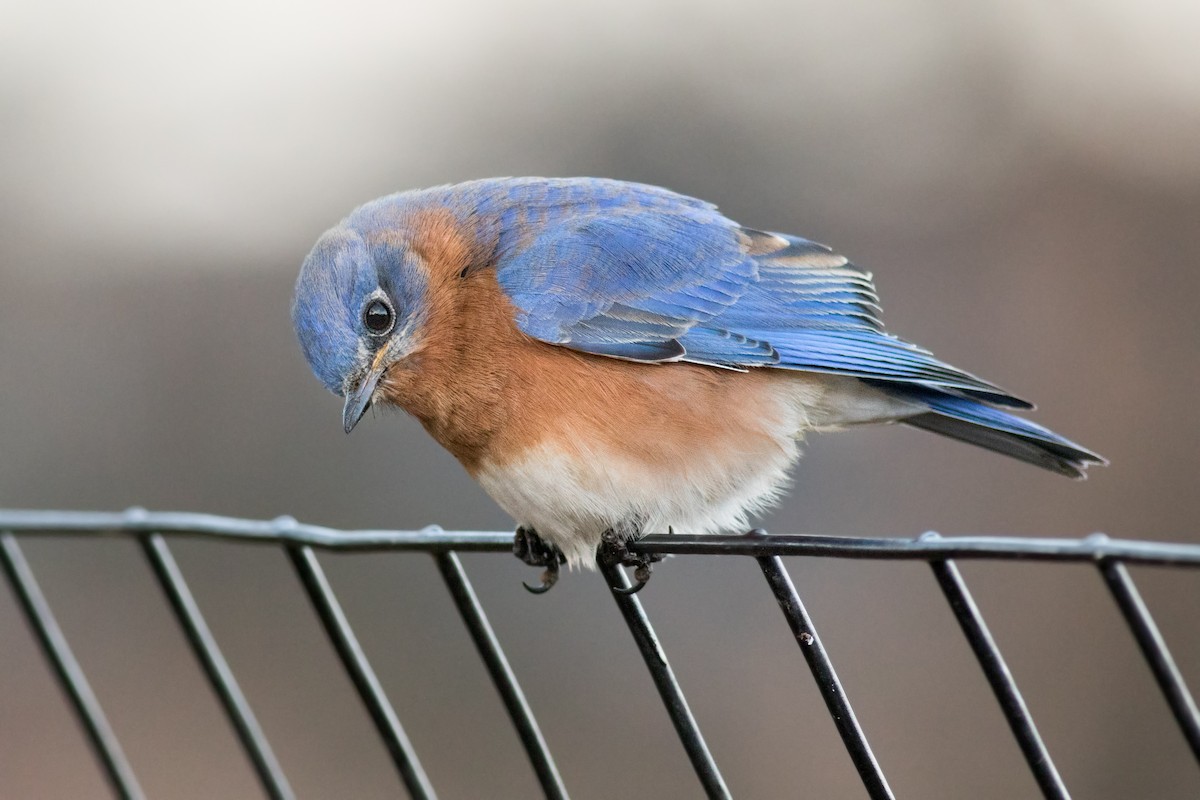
980 424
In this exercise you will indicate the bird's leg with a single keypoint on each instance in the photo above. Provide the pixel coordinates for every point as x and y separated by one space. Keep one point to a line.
614 550
530 548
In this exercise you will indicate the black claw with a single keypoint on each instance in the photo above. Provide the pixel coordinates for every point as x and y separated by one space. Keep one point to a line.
614 550
549 578
530 548
637 587
641 576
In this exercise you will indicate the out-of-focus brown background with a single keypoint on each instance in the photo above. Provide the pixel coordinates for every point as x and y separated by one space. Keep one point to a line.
1024 180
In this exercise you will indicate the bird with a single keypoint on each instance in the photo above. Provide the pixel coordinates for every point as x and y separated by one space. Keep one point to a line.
608 358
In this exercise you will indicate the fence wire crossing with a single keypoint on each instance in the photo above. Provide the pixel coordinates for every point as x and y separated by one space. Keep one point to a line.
302 542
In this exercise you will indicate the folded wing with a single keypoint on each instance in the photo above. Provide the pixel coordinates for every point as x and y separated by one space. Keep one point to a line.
683 283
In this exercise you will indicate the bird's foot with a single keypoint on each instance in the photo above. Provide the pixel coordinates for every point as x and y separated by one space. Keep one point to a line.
614 551
530 548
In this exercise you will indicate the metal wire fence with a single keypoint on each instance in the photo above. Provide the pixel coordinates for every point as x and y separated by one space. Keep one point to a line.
302 542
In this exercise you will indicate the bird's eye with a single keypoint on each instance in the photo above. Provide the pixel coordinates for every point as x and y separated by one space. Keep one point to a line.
378 317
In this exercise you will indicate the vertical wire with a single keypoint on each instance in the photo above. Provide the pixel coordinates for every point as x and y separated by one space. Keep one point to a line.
1154 649
216 668
359 669
668 688
827 680
70 674
1000 678
501 673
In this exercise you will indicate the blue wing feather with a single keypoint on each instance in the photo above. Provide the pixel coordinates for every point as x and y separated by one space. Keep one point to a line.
666 271
723 348
647 352
637 272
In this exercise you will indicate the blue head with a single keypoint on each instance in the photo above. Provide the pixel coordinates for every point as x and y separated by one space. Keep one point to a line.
357 307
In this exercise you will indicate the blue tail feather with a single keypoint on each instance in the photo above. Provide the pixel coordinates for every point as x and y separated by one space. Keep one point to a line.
979 424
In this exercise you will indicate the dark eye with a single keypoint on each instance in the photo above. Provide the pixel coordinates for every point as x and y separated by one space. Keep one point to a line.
378 317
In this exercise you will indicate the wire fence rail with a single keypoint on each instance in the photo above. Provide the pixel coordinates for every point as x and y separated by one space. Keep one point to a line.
152 530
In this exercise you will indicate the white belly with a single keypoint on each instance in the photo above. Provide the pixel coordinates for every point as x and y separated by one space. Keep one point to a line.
571 498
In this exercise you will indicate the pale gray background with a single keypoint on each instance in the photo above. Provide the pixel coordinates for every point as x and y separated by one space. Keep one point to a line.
1023 179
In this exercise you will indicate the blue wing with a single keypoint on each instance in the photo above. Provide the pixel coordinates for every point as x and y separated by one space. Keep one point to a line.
646 275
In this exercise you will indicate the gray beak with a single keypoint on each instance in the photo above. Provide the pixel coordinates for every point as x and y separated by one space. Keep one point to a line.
358 399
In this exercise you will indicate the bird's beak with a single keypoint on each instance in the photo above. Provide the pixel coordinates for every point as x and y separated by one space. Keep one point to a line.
358 399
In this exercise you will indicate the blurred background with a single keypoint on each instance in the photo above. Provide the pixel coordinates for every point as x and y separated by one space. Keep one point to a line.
1023 179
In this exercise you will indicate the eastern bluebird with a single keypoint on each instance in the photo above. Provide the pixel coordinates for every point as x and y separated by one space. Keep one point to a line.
607 358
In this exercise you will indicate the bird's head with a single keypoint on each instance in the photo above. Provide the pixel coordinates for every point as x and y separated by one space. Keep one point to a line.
358 311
